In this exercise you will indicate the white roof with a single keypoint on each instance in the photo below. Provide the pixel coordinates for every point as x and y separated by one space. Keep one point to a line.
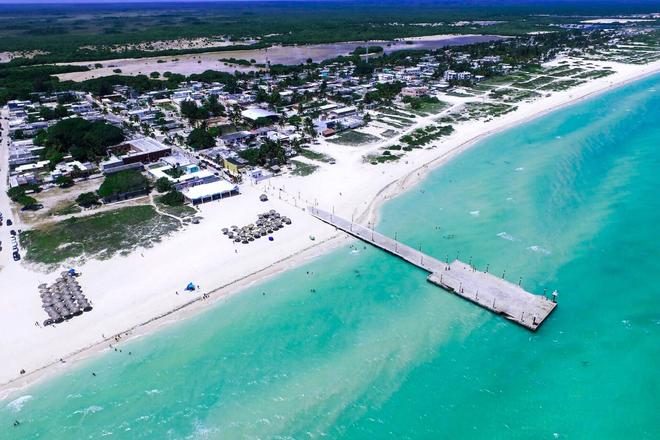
256 113
209 189
147 145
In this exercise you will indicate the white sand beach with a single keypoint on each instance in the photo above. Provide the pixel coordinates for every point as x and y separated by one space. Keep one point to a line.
130 292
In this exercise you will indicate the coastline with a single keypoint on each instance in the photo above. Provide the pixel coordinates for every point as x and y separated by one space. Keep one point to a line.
328 239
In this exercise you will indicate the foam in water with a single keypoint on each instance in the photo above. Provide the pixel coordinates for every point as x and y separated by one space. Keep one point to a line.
16 405
507 236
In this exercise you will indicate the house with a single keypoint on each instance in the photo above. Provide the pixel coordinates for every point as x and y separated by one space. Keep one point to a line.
210 191
234 165
414 92
343 112
451 75
144 150
252 114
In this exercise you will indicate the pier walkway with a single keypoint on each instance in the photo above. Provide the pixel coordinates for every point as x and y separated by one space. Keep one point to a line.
484 289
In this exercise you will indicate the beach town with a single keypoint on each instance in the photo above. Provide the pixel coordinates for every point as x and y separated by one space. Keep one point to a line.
186 194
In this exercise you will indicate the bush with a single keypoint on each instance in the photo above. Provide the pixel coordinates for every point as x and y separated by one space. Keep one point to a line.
172 198
87 199
123 182
163 185
64 181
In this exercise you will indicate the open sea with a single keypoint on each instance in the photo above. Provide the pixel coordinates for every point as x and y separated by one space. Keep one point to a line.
357 345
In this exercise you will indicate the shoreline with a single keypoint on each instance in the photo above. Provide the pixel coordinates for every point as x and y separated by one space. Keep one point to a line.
331 241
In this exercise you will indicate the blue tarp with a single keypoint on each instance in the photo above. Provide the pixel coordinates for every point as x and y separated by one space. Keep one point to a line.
190 287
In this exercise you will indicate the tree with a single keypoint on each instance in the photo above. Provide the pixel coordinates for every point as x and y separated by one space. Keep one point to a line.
27 202
363 69
84 140
200 139
58 113
87 199
163 184
190 110
214 107
64 181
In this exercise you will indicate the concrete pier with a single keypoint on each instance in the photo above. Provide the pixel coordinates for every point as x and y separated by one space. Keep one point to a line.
484 289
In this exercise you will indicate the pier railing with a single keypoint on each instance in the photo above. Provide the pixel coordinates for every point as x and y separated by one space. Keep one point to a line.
481 288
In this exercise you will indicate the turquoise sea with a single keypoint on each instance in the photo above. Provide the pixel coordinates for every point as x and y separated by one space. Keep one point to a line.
357 345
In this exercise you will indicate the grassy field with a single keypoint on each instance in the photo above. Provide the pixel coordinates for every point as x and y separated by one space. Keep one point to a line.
98 236
303 169
428 108
183 211
66 208
352 138
314 155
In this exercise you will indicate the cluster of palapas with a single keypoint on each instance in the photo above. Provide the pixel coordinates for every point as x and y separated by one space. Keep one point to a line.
266 223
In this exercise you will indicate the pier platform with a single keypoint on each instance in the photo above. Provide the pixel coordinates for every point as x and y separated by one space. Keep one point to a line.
481 288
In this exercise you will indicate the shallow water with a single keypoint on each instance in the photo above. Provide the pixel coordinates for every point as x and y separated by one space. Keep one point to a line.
357 345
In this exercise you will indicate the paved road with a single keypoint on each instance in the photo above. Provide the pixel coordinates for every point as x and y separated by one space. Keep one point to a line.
5 203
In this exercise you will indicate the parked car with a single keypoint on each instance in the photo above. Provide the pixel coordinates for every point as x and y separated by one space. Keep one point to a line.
17 256
9 222
13 233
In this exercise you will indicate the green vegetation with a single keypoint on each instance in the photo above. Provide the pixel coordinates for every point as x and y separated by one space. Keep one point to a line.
425 135
98 236
480 110
560 85
123 182
182 211
236 61
172 198
17 82
163 185
534 83
67 208
18 194
84 140
64 181
513 95
424 104
386 156
88 199
57 113
352 138
200 139
268 154
302 168
211 107
384 93
314 155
